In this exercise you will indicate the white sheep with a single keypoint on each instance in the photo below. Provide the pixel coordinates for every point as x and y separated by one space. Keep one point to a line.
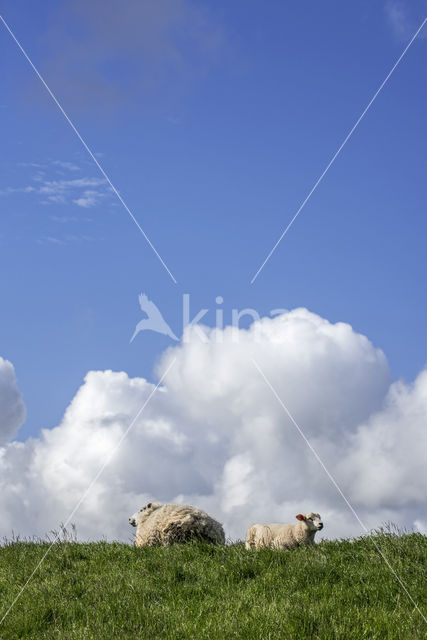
284 536
162 525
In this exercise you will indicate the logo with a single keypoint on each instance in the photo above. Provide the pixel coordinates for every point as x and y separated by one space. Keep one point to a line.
154 321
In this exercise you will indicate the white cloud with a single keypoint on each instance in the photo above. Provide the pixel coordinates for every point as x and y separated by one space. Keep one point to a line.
67 239
391 448
12 409
84 192
397 17
52 240
70 166
405 17
77 182
56 198
214 435
88 199
66 219
64 191
9 190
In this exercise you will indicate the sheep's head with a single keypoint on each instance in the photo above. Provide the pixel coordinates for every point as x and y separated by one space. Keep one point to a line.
312 520
144 513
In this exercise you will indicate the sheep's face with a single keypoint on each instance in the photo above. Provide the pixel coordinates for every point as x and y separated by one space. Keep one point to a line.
145 512
312 520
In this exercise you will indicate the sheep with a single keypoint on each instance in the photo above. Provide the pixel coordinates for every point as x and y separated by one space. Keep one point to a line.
162 525
284 536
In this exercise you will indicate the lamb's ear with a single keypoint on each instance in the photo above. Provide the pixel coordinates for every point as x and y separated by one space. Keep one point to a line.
300 517
149 505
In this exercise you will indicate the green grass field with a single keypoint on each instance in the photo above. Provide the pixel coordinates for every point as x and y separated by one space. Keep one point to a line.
339 590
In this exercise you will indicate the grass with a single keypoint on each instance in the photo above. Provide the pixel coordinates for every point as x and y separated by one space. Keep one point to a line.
336 590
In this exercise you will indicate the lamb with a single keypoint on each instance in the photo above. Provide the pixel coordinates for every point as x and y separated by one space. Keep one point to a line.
162 525
284 536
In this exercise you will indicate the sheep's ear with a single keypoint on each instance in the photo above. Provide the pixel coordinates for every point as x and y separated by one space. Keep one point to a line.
300 517
149 505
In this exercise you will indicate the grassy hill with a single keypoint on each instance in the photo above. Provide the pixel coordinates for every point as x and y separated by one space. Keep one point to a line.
337 590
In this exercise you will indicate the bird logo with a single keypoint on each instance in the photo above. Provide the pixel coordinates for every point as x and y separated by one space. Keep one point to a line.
154 321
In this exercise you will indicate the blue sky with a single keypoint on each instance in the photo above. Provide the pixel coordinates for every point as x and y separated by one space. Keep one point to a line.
213 120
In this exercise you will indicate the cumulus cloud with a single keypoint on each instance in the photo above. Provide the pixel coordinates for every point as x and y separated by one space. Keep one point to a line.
214 435
12 408
391 448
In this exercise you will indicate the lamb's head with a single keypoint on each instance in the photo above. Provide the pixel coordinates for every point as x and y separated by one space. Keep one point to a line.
145 512
312 520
